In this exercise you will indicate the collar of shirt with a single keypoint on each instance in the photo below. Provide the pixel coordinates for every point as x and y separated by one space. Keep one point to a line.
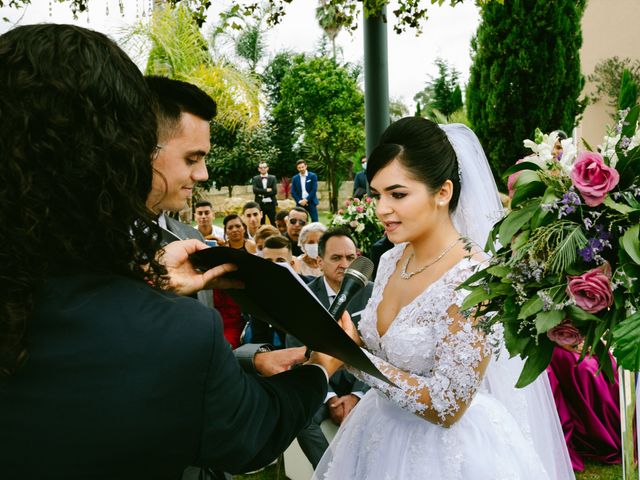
330 292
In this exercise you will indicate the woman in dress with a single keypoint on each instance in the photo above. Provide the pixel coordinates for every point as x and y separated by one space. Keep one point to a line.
308 241
454 412
235 233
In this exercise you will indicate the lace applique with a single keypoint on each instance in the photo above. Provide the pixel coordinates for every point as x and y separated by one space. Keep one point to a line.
430 351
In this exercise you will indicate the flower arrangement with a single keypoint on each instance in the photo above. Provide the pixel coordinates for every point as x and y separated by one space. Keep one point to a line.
566 259
359 215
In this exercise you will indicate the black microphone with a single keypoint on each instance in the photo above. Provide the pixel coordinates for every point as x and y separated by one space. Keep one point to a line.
355 278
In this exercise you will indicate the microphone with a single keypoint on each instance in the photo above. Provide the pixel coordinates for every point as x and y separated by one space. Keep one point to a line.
355 278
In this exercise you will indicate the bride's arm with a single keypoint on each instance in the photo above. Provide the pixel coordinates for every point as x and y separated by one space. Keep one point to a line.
443 395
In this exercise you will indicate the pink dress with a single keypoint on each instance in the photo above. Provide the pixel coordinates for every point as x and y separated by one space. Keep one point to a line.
588 407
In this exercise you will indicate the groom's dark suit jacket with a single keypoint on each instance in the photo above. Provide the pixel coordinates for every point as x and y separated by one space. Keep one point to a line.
127 382
342 382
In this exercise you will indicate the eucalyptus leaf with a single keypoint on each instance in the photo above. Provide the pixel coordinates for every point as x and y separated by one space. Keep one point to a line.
577 313
631 243
618 207
545 321
530 307
527 191
538 359
515 221
518 167
626 343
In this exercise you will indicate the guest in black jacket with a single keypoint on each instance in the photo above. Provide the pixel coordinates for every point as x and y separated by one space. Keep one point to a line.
105 373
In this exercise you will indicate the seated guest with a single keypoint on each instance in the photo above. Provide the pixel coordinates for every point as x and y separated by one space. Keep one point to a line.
204 217
264 232
252 218
588 406
235 234
308 241
281 221
276 249
232 319
336 251
297 218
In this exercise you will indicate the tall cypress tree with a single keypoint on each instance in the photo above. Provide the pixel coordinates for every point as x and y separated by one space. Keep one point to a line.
525 74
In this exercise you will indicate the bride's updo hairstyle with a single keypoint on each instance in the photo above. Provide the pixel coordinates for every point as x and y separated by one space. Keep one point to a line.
421 147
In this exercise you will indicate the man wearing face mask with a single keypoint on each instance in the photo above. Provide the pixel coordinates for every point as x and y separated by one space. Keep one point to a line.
336 251
360 183
308 241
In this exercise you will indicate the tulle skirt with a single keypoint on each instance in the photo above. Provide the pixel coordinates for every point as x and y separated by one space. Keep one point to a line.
381 441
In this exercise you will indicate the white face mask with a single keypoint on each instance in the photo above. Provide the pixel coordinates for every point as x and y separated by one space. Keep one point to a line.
311 249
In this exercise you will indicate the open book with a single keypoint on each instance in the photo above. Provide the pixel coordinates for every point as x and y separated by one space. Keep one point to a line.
277 295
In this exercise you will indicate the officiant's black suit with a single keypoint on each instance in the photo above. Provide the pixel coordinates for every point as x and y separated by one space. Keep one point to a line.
128 382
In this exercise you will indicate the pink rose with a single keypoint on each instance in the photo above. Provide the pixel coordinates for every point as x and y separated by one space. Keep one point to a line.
340 212
565 334
592 290
347 203
368 199
593 178
359 209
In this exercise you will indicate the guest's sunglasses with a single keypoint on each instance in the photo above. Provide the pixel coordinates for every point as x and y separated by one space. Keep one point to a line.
295 221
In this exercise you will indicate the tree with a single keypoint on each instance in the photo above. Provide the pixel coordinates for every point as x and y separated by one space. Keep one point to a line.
177 49
607 78
525 74
410 14
442 94
328 108
235 154
280 118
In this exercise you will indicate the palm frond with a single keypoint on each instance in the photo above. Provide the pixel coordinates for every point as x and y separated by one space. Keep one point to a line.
570 239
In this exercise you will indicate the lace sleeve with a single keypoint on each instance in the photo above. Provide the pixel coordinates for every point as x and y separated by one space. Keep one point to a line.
441 395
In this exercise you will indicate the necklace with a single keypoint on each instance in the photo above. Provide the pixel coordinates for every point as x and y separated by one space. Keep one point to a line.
407 275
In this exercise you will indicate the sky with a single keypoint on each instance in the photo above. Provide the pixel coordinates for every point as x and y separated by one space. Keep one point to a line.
446 34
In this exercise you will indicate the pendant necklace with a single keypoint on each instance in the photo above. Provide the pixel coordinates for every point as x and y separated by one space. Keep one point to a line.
407 275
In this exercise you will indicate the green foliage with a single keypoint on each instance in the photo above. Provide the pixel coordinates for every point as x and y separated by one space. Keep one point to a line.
628 90
410 14
280 118
235 154
328 110
607 78
525 74
177 49
442 96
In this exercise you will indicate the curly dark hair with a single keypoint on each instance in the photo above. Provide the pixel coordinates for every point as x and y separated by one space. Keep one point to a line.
77 131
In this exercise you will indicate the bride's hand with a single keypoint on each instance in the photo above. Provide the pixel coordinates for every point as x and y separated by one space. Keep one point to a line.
347 325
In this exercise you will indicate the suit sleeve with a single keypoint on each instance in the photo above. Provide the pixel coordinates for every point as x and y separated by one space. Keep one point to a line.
314 185
296 191
250 420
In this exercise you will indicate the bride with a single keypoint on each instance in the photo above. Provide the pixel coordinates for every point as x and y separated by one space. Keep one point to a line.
455 412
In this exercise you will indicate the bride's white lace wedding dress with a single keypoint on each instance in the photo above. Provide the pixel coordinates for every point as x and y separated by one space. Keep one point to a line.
500 436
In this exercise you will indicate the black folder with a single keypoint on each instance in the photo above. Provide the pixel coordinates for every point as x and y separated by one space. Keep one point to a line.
277 295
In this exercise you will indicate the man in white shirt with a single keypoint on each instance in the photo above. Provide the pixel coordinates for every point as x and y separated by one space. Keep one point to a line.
252 217
265 188
304 187
204 218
